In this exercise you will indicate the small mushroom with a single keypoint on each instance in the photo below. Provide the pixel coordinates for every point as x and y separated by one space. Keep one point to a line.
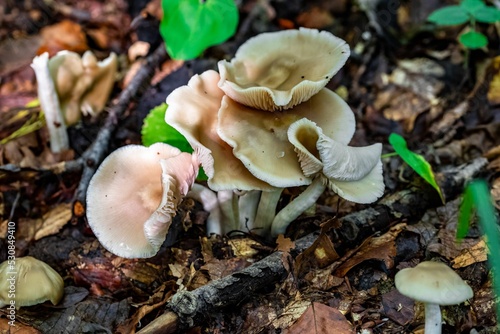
434 284
83 83
278 70
27 281
134 194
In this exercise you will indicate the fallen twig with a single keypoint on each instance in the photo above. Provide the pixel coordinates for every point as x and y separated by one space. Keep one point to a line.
189 308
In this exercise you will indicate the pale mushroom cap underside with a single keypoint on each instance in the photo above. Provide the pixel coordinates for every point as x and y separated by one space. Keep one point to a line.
355 173
433 282
259 139
35 282
192 110
127 193
296 65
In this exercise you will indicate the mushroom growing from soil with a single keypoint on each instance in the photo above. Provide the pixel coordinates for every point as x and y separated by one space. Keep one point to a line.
134 194
434 284
278 70
69 85
28 281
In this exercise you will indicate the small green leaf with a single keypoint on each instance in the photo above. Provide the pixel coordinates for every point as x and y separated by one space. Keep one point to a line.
465 214
449 16
473 40
188 27
415 161
155 130
472 5
487 15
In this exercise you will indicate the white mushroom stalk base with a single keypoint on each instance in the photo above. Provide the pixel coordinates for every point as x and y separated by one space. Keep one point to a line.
266 211
208 199
296 207
432 319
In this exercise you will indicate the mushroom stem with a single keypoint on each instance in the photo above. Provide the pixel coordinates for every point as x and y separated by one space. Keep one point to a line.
228 202
208 199
49 101
247 205
296 207
432 318
266 211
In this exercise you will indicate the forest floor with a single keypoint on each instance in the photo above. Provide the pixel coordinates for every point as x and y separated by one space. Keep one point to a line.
404 76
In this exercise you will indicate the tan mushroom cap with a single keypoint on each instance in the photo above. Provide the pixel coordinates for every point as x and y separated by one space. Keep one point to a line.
259 138
82 83
35 282
134 194
355 173
433 282
278 70
192 110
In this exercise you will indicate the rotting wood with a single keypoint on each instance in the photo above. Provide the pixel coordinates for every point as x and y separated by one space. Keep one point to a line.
189 308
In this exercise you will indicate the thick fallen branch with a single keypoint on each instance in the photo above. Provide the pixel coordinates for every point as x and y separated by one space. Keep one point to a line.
94 155
189 308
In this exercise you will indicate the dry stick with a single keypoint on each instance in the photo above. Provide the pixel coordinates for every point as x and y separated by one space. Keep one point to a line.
94 155
189 308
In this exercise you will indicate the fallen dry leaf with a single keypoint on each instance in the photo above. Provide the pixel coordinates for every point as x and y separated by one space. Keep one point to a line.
468 256
315 17
244 247
319 255
65 35
320 318
397 307
19 328
54 220
379 248
494 89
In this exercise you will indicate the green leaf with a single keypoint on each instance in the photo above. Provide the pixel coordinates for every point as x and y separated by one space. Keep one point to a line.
486 15
478 195
155 130
473 40
189 27
465 214
472 5
415 161
449 16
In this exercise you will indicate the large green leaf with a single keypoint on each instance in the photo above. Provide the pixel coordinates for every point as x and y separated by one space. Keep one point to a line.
415 161
487 15
188 27
473 40
155 130
449 16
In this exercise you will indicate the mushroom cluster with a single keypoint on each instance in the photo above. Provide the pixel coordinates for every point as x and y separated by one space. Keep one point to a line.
267 122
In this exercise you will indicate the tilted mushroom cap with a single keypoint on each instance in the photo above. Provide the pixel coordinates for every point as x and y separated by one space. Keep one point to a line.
192 110
355 173
34 281
259 138
433 282
82 83
134 194
278 70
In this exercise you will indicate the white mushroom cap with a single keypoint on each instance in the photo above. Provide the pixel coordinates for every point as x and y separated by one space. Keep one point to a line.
433 282
192 110
259 138
278 70
355 173
35 282
134 194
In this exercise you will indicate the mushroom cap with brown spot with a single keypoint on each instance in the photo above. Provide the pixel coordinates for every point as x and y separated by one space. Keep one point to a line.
259 138
433 282
296 65
35 282
131 199
192 110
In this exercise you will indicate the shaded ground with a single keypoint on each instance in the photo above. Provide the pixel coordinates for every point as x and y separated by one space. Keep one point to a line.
404 76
